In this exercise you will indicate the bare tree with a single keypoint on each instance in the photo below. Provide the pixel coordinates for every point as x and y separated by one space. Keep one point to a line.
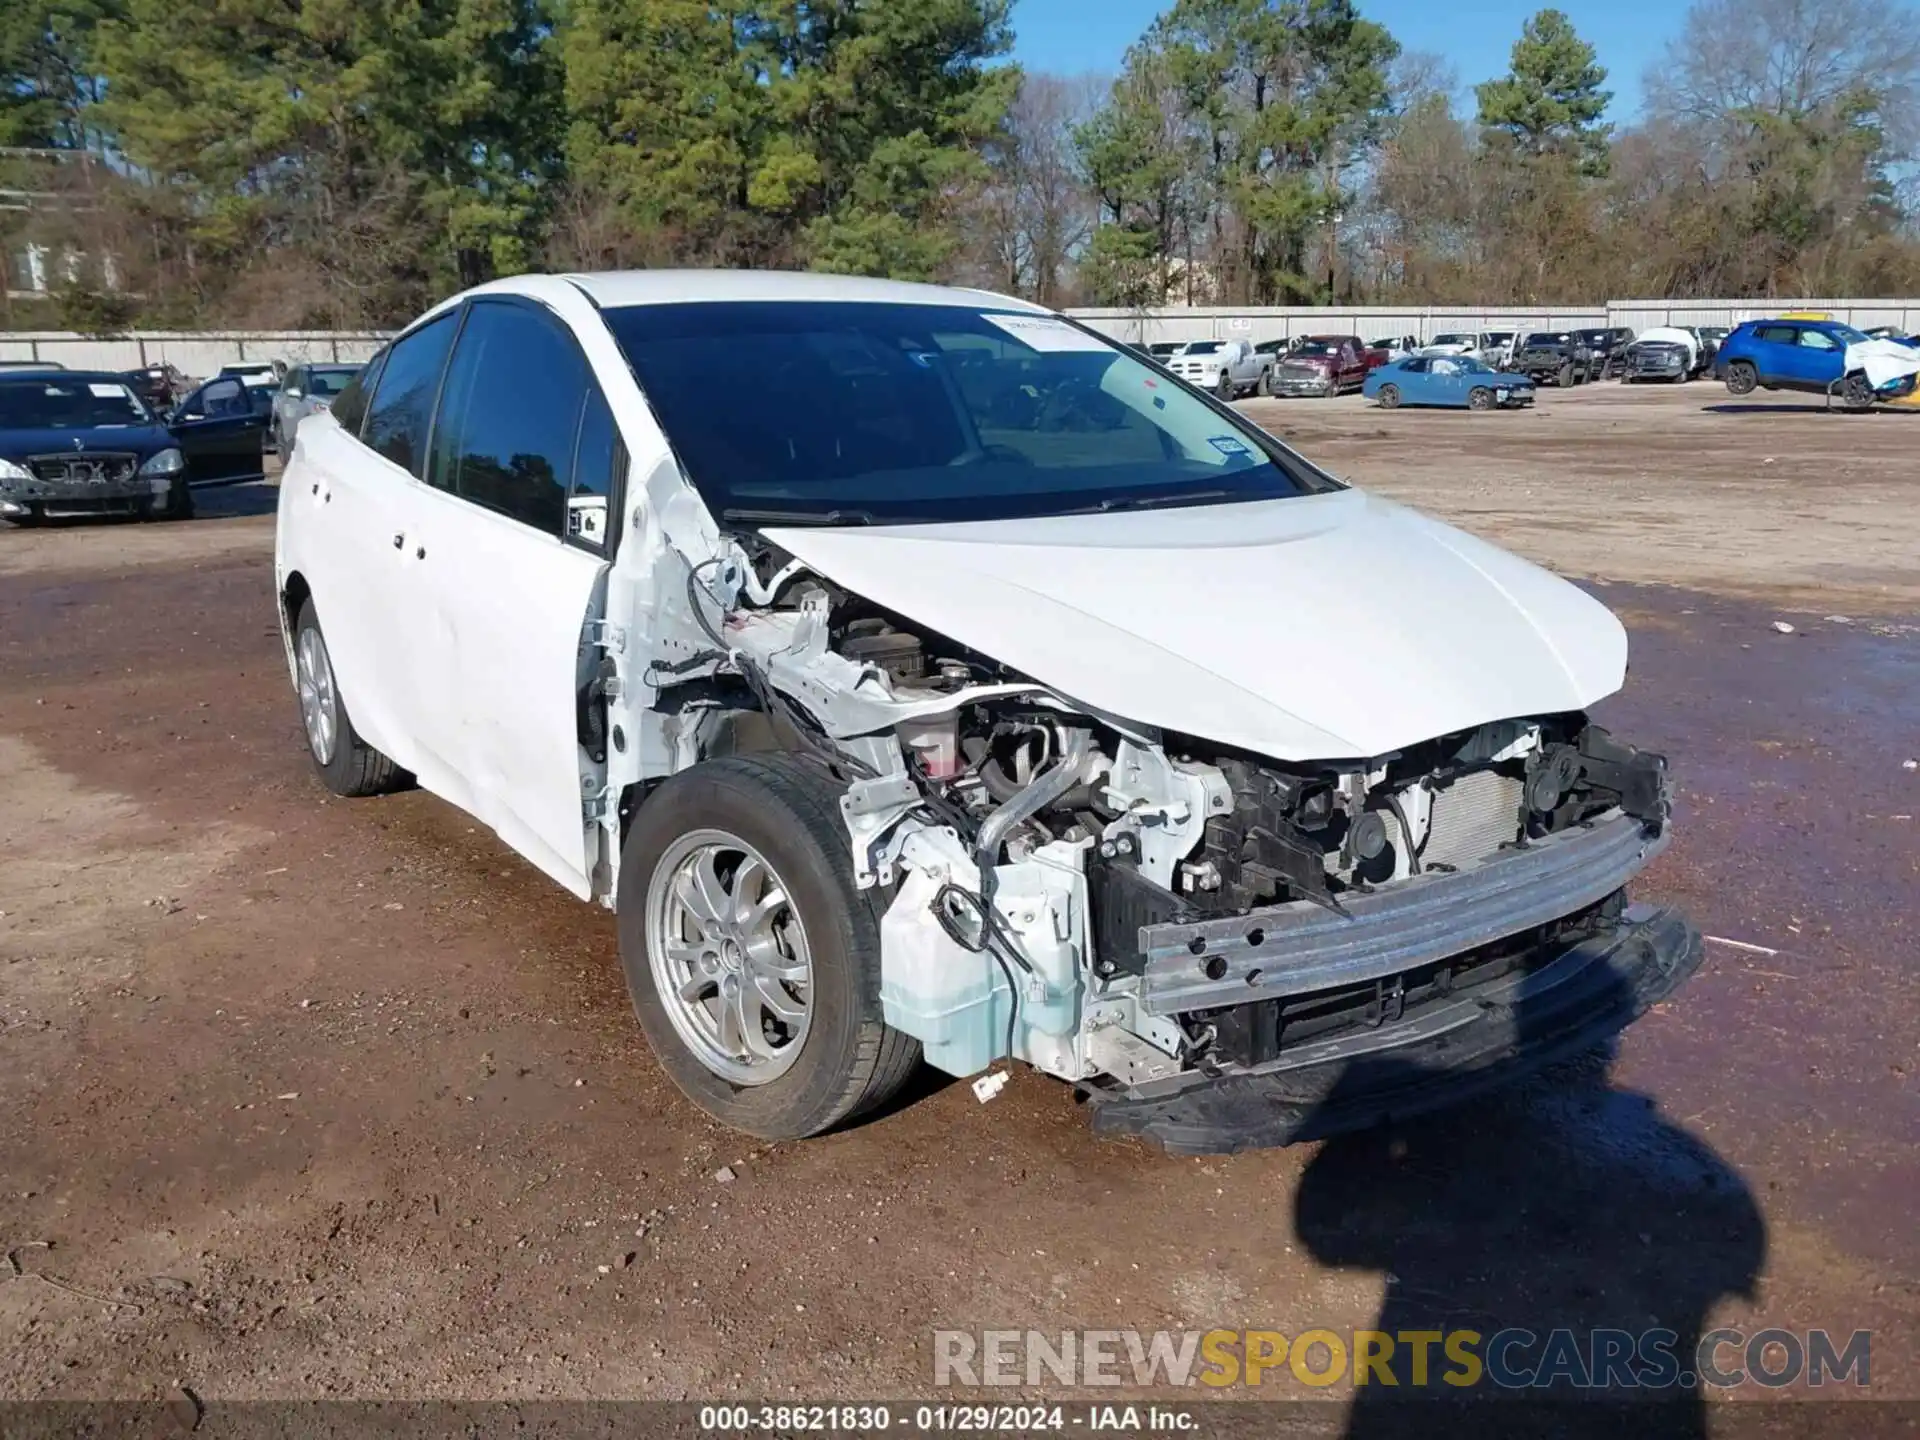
1739 59
1035 214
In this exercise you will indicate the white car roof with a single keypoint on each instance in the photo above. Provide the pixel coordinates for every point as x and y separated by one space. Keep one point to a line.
612 289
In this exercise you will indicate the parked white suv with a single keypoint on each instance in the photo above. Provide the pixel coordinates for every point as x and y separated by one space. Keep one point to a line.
978 691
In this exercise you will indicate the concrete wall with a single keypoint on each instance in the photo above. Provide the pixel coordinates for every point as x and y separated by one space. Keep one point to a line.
200 353
1147 327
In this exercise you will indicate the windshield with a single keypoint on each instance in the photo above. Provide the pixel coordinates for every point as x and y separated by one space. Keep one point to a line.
45 404
329 382
916 413
1453 339
1202 347
1593 337
1548 337
1316 347
1499 337
1847 335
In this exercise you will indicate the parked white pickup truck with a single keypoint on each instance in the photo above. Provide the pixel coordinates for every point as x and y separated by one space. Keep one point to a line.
1227 367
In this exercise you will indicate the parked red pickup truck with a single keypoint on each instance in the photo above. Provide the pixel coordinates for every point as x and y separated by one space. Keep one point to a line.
1322 365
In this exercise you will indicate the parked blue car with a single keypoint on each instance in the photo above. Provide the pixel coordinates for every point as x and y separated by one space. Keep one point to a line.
1807 355
1446 380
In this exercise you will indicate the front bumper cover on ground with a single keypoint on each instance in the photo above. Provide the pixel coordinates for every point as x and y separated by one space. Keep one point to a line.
1477 1039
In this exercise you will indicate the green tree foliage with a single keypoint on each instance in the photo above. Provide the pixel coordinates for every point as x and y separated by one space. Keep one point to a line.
400 145
836 133
1550 101
1240 120
46 76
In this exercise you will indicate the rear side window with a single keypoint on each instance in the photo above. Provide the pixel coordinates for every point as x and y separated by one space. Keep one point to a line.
511 415
350 405
402 409
1777 334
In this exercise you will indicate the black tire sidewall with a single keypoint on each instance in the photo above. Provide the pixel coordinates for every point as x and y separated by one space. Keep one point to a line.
1741 378
338 773
1479 398
1389 397
842 932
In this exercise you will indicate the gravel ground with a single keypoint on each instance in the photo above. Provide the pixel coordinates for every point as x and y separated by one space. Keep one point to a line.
318 1098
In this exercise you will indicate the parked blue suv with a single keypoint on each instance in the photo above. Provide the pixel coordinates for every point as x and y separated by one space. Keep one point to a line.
1797 355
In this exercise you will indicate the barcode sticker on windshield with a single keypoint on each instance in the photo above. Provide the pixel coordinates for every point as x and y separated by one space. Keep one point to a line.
108 392
1044 332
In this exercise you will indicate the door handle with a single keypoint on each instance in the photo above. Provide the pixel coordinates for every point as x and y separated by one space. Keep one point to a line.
398 541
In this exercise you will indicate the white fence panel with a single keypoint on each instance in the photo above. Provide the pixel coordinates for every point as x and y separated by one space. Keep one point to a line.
193 353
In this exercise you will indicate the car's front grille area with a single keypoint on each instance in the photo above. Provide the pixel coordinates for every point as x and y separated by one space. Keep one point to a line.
90 467
1299 372
1472 818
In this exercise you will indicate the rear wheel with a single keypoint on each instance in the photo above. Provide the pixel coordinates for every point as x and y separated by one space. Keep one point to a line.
1741 378
1389 397
752 959
348 766
1480 398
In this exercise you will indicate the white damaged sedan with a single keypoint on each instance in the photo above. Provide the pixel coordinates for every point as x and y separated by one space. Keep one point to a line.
971 690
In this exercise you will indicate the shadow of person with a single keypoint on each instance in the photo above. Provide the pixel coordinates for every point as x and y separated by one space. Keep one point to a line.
1583 1238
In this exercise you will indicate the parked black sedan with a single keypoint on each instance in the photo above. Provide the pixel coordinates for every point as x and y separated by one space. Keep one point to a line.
83 443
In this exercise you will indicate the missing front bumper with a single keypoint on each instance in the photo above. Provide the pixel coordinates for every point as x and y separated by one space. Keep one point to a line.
1446 1052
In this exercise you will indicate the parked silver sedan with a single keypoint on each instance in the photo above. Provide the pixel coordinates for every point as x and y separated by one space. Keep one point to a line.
305 390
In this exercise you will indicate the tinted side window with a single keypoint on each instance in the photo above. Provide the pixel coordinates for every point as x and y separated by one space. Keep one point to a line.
510 416
350 405
1776 334
402 409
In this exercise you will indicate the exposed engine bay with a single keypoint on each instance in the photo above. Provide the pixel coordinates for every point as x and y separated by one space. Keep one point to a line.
1127 908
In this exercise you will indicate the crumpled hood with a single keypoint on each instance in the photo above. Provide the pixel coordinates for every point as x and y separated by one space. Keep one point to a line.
1325 627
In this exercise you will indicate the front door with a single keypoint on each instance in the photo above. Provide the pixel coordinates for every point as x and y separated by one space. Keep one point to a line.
499 554
220 435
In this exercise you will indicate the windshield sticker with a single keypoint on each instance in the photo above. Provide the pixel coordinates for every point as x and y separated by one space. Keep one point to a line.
108 392
1046 333
1227 445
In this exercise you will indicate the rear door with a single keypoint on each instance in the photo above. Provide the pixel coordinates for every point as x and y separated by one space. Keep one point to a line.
357 477
1775 353
219 433
506 547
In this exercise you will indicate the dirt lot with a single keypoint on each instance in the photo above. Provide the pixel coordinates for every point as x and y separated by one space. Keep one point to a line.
314 1098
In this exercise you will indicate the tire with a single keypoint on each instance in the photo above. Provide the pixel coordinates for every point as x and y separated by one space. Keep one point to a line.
1388 396
1856 392
1741 378
1480 398
347 765
1226 389
1265 387
179 504
782 811
1564 376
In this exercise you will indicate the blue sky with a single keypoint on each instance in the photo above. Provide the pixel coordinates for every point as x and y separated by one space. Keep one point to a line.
1076 36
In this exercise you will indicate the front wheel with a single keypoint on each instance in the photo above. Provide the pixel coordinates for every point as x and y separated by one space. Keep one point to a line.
1225 389
1564 377
1480 398
1741 378
751 958
1265 386
1389 397
1856 392
179 504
